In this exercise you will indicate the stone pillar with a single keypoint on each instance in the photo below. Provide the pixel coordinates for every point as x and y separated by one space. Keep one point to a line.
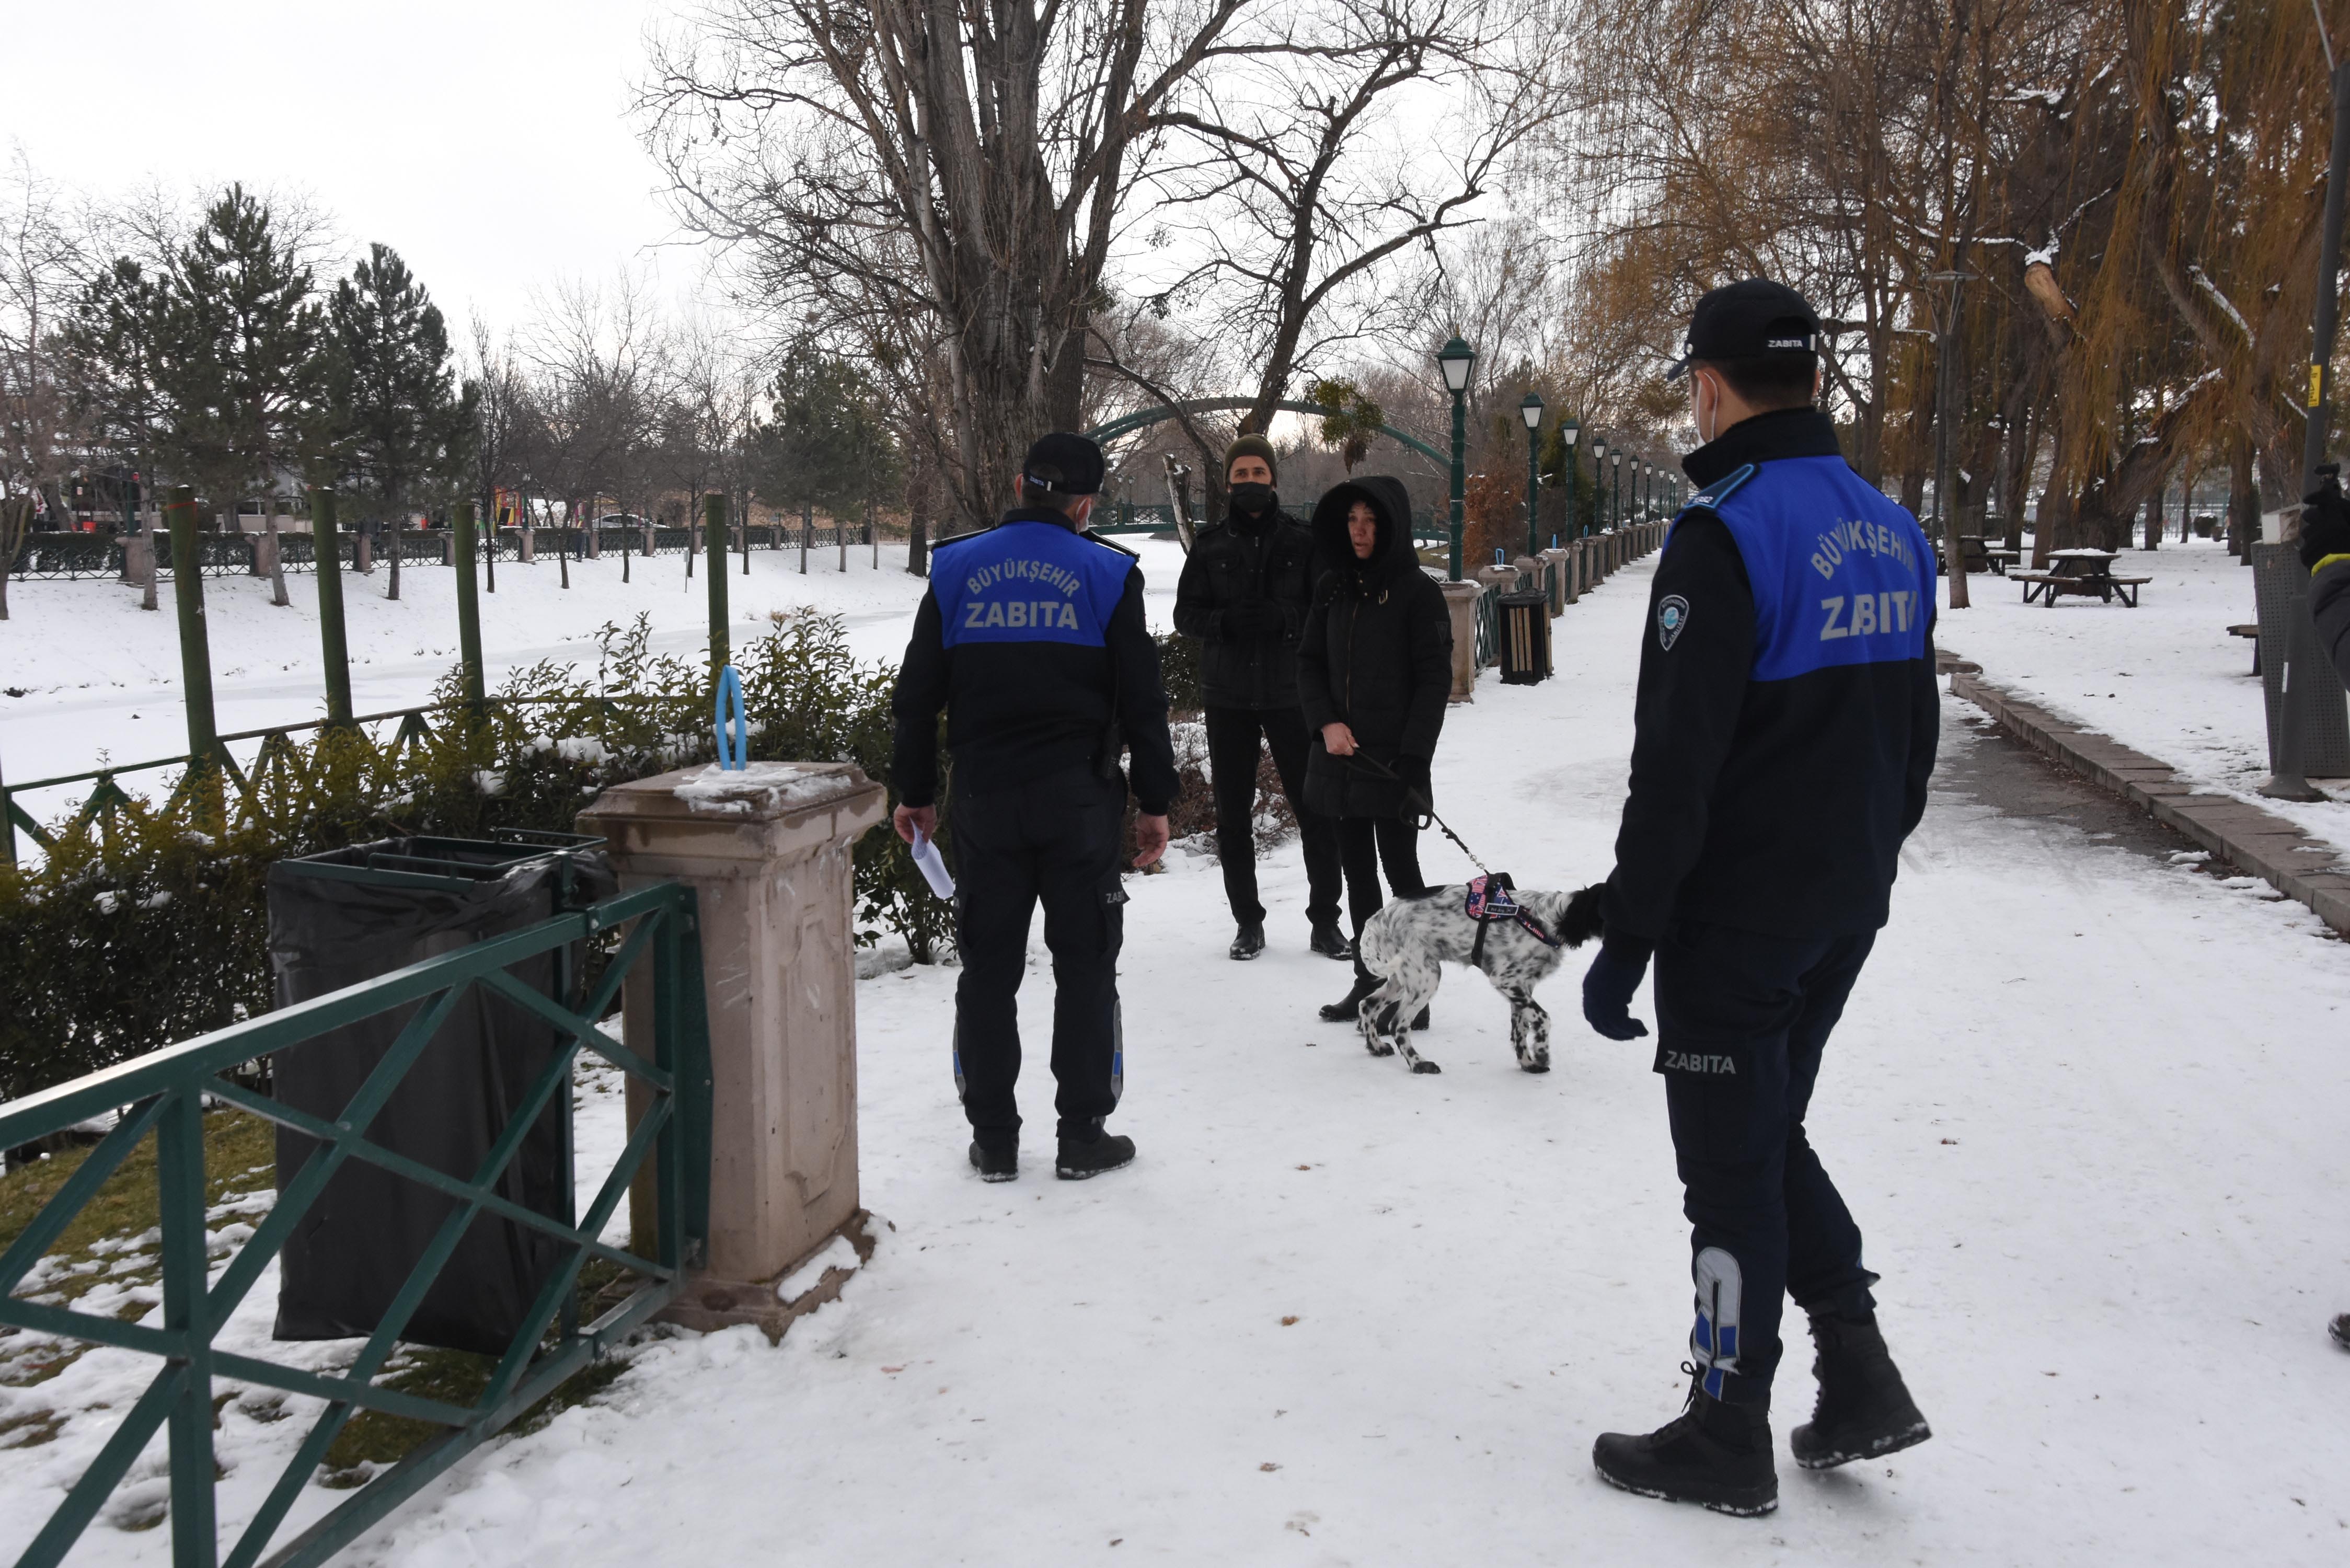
449 548
1529 571
595 542
363 551
529 545
1562 564
1461 602
767 853
652 543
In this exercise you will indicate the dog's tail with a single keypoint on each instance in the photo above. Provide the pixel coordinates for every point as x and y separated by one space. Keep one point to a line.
1579 923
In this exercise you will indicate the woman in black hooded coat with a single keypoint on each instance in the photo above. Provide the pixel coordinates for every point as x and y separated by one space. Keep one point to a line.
1374 672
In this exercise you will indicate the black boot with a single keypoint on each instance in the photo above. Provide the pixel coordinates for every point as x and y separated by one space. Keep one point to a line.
2340 1329
1347 1010
995 1161
1330 941
1712 1453
1083 1157
1863 1411
1249 941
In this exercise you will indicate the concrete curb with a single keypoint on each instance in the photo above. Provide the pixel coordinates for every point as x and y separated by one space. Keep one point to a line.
2254 841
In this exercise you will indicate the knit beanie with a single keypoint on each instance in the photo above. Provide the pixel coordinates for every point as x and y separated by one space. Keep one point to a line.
1251 446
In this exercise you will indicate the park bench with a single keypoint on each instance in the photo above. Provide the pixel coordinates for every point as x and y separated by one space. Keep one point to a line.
2253 632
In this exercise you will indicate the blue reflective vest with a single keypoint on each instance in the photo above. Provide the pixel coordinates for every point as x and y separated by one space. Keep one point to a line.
1841 574
1027 582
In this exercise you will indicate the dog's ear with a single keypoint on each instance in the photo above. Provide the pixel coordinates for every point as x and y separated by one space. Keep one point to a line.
1582 922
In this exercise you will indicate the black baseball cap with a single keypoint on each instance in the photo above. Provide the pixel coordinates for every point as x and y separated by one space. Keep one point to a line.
1065 463
1751 320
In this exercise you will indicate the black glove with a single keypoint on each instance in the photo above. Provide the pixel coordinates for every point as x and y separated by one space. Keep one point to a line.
1420 795
1607 989
1250 621
2325 519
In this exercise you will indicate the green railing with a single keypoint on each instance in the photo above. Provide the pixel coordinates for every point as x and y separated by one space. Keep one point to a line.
1489 626
165 1093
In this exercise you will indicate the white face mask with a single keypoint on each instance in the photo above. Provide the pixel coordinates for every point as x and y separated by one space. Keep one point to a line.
1698 385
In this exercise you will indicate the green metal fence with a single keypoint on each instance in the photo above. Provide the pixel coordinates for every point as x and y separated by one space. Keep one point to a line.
165 1092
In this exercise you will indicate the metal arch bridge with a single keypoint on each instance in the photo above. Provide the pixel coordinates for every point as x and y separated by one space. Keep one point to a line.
1128 425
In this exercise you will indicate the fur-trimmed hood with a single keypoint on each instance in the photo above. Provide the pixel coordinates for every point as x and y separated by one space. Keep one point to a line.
1392 503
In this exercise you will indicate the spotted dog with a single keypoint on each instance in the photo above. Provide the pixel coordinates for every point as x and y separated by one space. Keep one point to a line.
1407 943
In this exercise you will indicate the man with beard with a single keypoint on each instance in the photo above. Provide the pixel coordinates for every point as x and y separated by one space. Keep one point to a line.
1244 595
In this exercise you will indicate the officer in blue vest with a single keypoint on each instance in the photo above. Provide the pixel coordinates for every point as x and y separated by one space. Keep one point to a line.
1784 730
1032 640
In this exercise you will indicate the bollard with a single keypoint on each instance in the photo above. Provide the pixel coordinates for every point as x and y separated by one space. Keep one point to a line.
469 605
363 551
768 853
1461 604
1562 578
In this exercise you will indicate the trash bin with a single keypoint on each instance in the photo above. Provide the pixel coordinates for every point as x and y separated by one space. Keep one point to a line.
1525 638
348 916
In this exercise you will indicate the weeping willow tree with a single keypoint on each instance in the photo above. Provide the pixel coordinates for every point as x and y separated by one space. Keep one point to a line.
2132 192
2180 326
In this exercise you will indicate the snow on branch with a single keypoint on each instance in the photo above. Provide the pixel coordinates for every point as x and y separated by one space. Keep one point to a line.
2203 281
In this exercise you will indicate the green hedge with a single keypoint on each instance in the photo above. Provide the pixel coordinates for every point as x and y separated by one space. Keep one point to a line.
149 926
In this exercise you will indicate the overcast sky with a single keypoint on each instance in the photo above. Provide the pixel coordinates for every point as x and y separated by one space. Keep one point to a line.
483 139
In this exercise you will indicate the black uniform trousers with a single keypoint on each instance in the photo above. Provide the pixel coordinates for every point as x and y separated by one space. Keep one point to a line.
1742 1019
1232 735
1054 840
1365 844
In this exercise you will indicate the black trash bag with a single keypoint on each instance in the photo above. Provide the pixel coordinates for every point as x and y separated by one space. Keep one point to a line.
342 917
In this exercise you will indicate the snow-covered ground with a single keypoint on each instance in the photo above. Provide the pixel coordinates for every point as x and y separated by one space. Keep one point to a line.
2088 1106
2165 679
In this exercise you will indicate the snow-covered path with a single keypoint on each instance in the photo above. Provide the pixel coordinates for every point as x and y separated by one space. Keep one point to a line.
2089 1108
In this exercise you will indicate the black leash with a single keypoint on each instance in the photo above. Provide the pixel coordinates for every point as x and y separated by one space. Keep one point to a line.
1427 808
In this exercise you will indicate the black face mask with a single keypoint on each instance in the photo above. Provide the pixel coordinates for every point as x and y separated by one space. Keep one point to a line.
1251 500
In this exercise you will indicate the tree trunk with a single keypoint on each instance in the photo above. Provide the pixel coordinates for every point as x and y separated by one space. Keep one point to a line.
2154 514
2244 498
276 555
399 519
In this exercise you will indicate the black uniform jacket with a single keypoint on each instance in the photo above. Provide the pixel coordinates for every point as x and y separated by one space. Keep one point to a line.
1375 656
1266 560
1787 712
2329 606
1048 643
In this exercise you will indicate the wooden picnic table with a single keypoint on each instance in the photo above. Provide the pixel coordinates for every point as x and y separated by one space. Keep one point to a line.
2084 572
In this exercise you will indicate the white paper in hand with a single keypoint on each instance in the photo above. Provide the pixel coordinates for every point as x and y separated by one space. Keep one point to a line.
933 866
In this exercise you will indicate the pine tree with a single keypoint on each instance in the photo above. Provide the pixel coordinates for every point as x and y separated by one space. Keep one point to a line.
826 444
396 421
240 371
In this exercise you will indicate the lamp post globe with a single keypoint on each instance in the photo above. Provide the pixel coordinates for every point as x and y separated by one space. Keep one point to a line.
1455 359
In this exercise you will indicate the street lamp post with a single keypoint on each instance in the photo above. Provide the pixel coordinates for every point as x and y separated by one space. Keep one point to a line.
1455 360
1598 481
1531 410
1567 431
1616 489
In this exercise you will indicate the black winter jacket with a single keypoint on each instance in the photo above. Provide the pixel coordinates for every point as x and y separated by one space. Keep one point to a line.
1375 656
1265 561
1025 706
1786 721
2329 606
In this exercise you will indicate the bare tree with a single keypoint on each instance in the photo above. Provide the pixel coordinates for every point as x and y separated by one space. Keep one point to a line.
42 264
909 161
